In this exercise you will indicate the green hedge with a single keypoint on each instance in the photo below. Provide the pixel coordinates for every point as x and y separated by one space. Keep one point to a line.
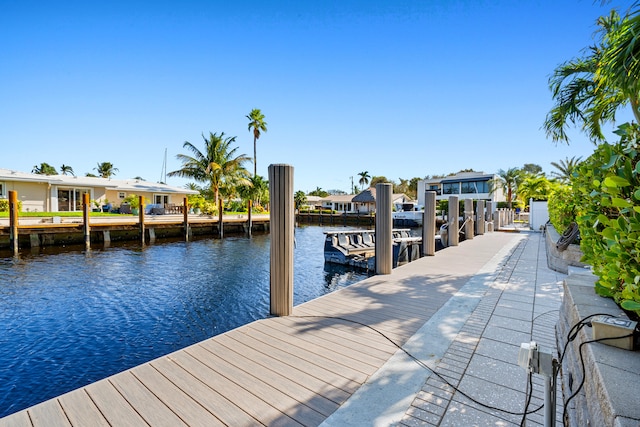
607 189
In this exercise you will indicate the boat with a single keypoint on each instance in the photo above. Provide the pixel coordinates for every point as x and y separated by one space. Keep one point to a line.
357 247
408 215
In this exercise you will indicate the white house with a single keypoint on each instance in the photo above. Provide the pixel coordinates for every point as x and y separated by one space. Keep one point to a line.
363 202
465 185
60 193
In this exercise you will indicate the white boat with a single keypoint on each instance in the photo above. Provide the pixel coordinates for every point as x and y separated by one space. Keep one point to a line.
408 215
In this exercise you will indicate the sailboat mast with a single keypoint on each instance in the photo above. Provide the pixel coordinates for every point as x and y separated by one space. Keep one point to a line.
163 174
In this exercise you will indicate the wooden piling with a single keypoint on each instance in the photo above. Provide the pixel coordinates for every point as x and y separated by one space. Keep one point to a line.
384 229
220 223
13 221
141 218
480 217
185 218
249 218
468 217
86 227
454 221
429 224
282 219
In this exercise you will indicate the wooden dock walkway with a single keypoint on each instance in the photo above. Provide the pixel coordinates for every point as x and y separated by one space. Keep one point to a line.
288 371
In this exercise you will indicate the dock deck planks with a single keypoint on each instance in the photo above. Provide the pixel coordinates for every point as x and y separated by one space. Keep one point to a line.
278 371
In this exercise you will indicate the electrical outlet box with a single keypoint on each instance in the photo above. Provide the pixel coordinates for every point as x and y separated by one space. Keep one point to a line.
611 327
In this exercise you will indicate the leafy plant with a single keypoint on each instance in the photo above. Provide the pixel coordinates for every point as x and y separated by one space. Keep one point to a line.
4 205
607 188
133 200
562 208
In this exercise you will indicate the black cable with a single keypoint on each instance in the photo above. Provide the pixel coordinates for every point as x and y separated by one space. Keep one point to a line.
575 393
529 394
575 329
423 365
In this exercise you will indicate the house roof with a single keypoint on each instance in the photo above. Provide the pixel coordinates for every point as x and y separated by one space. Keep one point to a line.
369 196
130 185
366 196
338 198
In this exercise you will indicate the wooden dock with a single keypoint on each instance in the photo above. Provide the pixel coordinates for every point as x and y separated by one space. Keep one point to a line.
71 230
286 371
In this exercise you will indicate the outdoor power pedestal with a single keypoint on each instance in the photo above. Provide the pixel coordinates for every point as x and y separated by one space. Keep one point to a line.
612 327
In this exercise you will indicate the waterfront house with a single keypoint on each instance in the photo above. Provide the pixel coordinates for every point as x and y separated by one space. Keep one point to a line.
465 185
60 193
363 202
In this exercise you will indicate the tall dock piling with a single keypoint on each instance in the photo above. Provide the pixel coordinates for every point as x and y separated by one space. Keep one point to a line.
468 217
86 227
429 224
13 221
185 219
454 221
384 229
480 225
141 219
249 218
282 220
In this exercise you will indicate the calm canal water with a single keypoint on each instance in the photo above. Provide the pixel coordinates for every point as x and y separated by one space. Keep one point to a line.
72 317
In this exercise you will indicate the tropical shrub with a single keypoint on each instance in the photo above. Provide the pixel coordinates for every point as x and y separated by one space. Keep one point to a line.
209 208
562 208
196 201
607 187
4 205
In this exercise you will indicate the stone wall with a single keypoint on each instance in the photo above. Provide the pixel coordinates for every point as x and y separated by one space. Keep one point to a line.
561 260
609 396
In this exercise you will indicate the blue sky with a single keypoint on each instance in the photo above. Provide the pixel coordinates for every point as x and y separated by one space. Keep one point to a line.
400 89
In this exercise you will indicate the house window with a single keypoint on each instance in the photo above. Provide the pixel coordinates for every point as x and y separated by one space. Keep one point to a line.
474 187
161 199
3 187
121 195
451 188
70 199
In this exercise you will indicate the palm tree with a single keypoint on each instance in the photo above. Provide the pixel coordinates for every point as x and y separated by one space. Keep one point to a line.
218 165
565 168
364 178
589 90
509 181
106 169
44 169
64 169
257 123
299 199
536 187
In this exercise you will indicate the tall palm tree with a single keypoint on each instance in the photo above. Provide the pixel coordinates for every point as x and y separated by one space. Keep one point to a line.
364 178
218 165
509 181
565 168
257 124
65 169
106 169
588 90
